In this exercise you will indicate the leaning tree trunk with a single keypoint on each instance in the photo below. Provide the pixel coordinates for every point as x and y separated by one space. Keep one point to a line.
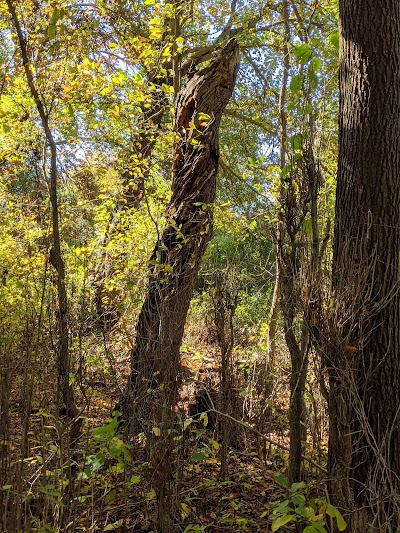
176 258
154 381
364 447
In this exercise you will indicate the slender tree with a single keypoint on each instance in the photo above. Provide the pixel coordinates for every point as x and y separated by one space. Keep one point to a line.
65 391
364 364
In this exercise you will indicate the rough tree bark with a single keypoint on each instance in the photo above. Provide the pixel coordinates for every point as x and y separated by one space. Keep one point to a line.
364 447
300 258
149 402
176 258
289 268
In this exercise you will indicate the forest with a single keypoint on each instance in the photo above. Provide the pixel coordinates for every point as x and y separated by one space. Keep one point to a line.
200 266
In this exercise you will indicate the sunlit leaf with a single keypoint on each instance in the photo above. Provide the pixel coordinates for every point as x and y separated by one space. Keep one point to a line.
303 53
297 83
333 39
281 521
341 523
114 526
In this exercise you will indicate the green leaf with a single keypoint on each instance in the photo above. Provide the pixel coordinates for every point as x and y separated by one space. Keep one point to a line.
297 83
281 521
333 39
204 418
297 141
307 227
303 53
311 529
57 15
103 430
197 457
214 444
114 526
194 528
51 31
298 499
110 428
313 505
331 510
316 64
318 527
282 480
283 507
47 415
341 523
312 77
95 461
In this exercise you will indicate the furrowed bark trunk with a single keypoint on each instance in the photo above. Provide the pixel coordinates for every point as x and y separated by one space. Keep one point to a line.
288 271
149 403
364 366
176 258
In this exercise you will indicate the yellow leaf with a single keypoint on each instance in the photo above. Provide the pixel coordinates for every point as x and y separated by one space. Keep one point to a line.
204 418
186 509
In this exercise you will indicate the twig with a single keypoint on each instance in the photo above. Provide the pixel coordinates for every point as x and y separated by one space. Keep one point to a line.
264 437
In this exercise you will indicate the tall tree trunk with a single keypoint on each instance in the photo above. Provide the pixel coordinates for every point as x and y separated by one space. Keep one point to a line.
149 402
176 258
364 447
287 283
65 391
289 267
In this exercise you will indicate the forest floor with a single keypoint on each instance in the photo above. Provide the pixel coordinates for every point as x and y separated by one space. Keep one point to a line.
110 481
242 499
